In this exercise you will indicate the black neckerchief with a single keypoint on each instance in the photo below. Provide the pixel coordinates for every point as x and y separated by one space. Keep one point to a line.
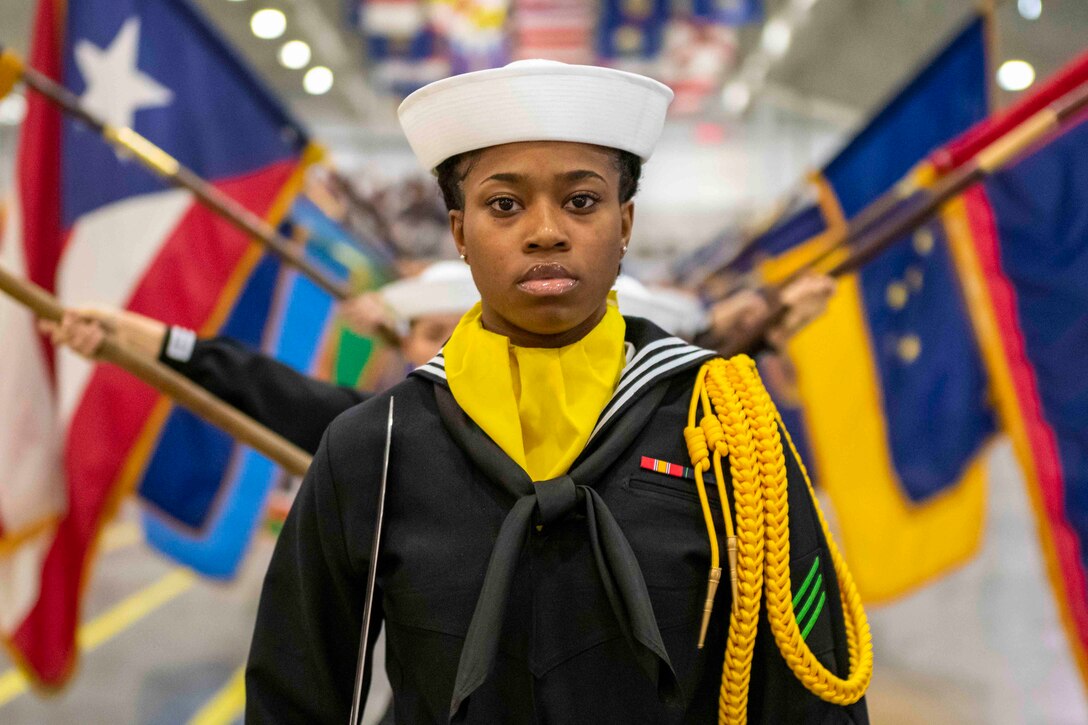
652 358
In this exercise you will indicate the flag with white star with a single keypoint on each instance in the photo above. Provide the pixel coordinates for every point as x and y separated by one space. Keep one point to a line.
98 229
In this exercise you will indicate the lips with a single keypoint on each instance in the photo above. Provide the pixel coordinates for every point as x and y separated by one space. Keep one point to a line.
547 280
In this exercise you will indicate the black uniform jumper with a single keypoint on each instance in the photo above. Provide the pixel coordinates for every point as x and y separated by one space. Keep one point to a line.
570 601
277 396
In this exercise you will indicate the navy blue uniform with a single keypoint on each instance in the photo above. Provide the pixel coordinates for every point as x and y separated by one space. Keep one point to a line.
575 600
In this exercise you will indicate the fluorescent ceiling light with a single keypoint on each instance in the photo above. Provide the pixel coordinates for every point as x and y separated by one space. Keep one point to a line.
1015 75
294 54
776 37
268 23
736 97
318 80
1030 9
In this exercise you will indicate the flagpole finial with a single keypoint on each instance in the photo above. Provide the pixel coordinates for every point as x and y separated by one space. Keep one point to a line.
11 70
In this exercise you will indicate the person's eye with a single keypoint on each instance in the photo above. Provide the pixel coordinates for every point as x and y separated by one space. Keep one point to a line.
503 204
582 202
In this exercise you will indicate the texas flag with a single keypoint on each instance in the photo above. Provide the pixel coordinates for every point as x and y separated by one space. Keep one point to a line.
97 228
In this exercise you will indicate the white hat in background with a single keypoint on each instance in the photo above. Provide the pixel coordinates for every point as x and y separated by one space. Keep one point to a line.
443 288
535 100
675 312
446 288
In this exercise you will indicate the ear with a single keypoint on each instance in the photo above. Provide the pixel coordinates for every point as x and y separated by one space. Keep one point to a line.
457 228
627 221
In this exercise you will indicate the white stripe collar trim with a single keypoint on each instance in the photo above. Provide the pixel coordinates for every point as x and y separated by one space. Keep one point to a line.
683 356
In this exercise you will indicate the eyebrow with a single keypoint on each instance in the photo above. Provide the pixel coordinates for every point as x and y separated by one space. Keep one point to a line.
576 175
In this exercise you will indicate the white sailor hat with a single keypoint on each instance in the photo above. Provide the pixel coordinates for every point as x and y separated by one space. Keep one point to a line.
443 288
673 311
535 100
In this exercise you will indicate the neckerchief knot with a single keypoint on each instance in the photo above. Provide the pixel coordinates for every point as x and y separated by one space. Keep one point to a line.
556 498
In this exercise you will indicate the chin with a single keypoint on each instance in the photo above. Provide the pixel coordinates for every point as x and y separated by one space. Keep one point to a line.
552 319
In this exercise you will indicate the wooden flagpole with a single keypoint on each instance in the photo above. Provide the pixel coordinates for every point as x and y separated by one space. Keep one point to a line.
868 243
166 166
1045 123
170 169
992 54
168 381
875 211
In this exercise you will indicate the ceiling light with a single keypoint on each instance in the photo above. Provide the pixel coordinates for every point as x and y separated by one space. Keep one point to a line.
12 110
1030 9
776 37
1015 75
736 97
318 80
294 54
268 23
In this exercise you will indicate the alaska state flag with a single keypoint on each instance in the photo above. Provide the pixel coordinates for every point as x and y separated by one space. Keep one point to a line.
1021 243
631 32
96 228
890 379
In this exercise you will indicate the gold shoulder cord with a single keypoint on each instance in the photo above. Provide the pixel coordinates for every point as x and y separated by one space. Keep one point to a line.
741 423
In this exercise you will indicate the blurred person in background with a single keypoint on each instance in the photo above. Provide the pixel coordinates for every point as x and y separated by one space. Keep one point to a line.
732 319
420 312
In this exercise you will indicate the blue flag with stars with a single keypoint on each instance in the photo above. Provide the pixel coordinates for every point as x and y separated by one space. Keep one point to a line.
890 380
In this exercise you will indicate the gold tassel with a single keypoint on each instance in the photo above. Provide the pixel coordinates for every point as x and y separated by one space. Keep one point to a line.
731 555
708 607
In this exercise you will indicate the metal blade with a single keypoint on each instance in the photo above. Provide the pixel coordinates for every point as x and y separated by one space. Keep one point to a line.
372 576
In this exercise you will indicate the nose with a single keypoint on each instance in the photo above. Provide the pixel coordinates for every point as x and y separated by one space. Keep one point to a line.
546 229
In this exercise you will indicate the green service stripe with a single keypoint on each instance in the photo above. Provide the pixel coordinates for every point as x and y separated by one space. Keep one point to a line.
811 598
815 613
808 580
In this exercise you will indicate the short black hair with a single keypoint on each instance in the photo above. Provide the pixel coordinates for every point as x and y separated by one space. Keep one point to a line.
452 172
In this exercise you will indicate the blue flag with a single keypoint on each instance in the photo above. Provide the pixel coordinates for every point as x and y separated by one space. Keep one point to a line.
295 333
890 380
1021 240
631 29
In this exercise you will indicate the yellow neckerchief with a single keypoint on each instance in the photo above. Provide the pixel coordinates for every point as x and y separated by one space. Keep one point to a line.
538 404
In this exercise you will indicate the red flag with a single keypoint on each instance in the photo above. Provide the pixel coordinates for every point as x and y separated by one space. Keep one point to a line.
97 229
1021 242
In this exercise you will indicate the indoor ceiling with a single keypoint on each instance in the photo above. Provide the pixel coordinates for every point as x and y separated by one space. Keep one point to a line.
843 60
853 54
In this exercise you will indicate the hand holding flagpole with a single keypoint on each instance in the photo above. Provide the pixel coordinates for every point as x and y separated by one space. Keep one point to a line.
127 141
188 394
868 237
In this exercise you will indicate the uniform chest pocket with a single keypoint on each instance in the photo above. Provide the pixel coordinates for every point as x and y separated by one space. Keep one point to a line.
658 484
663 521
